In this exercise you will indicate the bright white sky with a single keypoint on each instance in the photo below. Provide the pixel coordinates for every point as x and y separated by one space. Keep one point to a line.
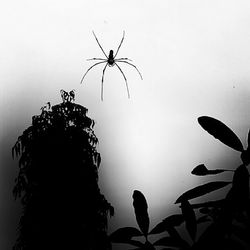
195 60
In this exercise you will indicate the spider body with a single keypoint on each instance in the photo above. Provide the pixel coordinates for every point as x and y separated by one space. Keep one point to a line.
111 61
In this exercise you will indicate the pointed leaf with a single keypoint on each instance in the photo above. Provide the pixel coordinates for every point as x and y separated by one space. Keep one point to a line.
141 211
123 235
170 221
174 220
202 170
201 190
190 218
221 132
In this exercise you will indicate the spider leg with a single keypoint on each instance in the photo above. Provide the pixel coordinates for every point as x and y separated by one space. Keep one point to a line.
102 80
124 59
120 44
124 79
99 45
97 59
117 60
90 69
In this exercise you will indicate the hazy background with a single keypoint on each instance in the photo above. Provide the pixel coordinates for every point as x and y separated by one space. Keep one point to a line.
195 60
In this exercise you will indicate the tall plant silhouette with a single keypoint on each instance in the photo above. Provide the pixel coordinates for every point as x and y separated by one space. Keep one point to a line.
228 219
58 181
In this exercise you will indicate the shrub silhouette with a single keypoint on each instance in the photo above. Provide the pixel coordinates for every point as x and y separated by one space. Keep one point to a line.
58 181
228 219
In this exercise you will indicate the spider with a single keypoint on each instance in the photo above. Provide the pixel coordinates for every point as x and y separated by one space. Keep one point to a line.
110 61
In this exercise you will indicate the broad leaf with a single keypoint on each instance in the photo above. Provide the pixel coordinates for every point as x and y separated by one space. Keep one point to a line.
122 235
201 190
141 211
221 132
190 218
202 170
170 221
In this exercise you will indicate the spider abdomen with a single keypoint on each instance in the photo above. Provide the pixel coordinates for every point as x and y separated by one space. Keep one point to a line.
111 63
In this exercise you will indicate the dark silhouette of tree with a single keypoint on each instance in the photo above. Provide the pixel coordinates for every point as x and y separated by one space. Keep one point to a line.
58 181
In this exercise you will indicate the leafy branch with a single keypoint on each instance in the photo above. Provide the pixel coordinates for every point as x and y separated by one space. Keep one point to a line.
227 219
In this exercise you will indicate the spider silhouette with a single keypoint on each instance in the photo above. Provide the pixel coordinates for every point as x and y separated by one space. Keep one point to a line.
110 61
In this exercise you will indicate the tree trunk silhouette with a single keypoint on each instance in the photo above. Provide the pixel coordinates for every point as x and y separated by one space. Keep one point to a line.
58 182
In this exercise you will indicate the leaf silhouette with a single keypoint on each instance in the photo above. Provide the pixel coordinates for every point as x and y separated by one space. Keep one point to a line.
221 132
123 235
190 218
241 179
141 211
239 193
201 190
201 170
216 203
170 221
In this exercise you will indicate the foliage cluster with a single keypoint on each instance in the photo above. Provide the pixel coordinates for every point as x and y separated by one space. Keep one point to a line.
227 220
58 181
